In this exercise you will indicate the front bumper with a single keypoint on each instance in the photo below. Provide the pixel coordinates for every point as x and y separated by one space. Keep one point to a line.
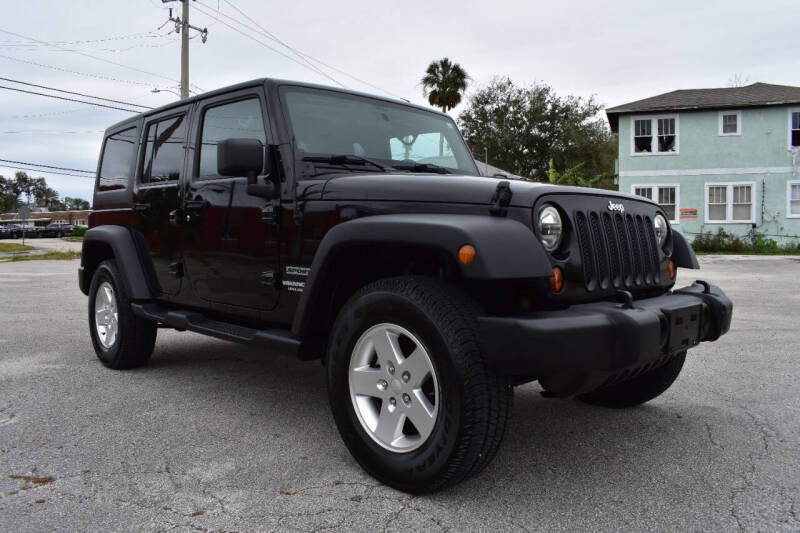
583 346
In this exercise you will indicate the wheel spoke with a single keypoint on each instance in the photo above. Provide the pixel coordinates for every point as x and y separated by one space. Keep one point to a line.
108 295
390 424
364 381
385 343
417 366
421 413
102 317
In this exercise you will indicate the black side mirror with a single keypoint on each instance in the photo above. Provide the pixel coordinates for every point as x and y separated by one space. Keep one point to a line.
244 157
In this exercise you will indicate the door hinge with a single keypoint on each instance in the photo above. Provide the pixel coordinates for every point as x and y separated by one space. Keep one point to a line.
176 269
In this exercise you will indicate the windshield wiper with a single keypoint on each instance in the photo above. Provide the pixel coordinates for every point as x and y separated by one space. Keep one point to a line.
344 159
421 167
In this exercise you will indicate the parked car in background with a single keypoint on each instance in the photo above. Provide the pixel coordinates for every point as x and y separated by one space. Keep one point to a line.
57 229
5 232
16 231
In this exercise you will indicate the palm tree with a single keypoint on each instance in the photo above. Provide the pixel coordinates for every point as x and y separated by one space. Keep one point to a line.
444 83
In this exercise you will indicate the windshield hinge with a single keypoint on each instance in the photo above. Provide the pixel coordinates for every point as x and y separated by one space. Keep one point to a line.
500 200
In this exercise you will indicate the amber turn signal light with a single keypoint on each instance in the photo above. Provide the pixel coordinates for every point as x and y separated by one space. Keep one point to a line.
556 280
466 254
671 270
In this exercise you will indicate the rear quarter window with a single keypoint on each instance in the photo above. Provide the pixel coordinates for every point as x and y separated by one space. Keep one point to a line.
119 153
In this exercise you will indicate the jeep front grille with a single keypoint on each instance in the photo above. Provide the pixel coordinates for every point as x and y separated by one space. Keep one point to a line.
617 250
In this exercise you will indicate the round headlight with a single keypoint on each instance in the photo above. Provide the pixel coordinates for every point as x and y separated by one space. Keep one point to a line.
550 227
662 228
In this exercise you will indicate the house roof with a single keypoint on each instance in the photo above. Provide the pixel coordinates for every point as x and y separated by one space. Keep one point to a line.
754 95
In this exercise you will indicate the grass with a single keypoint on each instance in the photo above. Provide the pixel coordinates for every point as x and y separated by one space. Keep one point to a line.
72 238
14 247
43 257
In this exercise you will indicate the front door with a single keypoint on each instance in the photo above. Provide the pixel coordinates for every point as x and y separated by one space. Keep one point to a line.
230 241
157 199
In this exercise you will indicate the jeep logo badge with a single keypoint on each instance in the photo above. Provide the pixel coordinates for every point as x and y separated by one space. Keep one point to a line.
615 207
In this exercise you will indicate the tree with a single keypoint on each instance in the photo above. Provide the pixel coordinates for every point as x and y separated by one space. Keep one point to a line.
444 83
9 195
47 197
76 204
30 187
524 128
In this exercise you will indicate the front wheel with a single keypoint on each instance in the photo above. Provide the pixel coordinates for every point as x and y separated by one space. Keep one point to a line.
414 401
640 389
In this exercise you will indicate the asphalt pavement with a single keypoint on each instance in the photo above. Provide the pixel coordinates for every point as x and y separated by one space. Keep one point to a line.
213 436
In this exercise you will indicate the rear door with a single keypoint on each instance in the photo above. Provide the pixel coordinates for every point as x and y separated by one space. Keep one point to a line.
157 199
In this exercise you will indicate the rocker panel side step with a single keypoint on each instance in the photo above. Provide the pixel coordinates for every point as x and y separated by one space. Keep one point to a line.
278 340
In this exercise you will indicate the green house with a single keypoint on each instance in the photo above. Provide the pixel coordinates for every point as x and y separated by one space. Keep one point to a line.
716 158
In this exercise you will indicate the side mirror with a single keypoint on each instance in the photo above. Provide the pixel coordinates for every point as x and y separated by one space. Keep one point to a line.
244 157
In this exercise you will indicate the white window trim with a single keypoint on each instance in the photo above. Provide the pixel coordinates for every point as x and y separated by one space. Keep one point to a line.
789 198
654 130
729 202
789 122
738 123
676 186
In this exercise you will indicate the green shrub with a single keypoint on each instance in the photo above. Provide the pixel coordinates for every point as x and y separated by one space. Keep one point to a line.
724 242
78 231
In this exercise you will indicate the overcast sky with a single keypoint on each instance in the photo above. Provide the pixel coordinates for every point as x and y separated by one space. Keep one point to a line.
618 51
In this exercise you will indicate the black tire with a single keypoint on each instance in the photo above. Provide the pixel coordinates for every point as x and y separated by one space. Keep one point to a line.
135 338
474 400
640 389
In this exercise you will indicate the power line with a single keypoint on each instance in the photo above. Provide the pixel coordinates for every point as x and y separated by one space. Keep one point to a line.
91 56
75 93
47 171
135 111
306 57
96 76
45 166
262 43
269 35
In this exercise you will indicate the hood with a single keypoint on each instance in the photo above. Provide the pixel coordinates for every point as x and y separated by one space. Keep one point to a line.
442 188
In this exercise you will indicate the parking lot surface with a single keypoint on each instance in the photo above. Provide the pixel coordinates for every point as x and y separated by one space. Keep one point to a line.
212 436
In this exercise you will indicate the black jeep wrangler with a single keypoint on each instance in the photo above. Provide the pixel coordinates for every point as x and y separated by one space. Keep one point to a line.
326 224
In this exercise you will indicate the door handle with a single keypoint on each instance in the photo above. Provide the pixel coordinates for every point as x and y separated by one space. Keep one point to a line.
196 205
141 208
175 217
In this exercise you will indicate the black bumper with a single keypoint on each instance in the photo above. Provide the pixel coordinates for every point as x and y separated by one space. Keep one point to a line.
583 345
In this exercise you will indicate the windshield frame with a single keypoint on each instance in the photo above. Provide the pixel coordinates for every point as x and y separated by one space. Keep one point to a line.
285 88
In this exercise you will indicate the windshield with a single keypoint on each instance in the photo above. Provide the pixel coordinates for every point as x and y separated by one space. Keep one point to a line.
329 123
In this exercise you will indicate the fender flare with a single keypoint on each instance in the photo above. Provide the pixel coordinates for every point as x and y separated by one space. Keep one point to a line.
126 254
506 248
682 252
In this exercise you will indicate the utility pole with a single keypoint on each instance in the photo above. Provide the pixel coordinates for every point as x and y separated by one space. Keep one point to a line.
182 26
185 52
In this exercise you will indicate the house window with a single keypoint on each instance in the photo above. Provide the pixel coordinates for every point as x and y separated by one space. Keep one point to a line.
793 199
655 135
666 135
730 123
729 202
794 129
643 136
666 196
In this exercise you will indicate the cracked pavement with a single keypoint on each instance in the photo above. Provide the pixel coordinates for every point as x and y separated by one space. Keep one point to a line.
213 436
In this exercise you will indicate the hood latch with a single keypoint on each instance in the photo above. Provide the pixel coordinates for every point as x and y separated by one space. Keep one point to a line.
500 200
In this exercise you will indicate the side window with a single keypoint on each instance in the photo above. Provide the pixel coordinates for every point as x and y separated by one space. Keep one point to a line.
117 160
242 120
164 151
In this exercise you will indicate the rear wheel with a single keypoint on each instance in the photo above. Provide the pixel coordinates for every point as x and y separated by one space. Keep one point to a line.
120 338
413 399
640 389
